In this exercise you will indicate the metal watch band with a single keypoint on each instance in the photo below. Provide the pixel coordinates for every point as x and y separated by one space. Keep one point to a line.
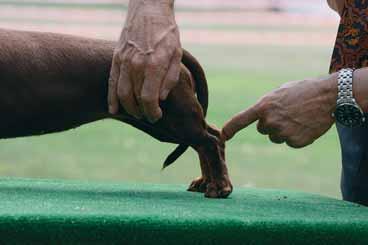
348 113
345 85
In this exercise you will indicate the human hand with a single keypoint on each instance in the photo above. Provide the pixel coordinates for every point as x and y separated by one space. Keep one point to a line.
297 113
146 61
337 5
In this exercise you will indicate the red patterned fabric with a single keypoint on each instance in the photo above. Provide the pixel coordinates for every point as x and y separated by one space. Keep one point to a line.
351 48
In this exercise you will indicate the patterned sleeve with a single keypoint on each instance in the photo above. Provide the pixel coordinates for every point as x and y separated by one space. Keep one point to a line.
351 47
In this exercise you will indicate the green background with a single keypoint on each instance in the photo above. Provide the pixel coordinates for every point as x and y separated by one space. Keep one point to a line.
238 75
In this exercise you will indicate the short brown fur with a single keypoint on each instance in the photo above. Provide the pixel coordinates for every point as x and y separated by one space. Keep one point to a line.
51 83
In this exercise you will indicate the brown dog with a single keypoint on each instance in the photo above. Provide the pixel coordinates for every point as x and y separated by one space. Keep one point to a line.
51 83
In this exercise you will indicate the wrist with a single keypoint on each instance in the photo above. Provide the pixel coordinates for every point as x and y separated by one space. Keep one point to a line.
330 90
348 111
360 89
151 8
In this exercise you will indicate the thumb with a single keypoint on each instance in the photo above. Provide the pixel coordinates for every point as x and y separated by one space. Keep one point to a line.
239 121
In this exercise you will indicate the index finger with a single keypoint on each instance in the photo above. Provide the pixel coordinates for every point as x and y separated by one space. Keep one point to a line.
240 121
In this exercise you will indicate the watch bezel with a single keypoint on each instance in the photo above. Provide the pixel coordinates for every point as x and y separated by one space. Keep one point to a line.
338 115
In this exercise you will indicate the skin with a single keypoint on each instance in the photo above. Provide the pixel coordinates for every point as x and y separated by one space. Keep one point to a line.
146 64
299 112
146 61
337 5
296 113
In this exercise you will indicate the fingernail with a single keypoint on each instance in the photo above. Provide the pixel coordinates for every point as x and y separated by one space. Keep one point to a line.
112 109
152 120
164 94
156 118
138 116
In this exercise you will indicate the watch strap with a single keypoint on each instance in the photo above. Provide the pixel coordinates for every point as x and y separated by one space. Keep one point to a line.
345 86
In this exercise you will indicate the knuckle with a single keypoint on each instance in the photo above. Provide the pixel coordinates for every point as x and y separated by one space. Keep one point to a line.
158 59
303 143
261 128
298 146
283 134
294 142
290 143
177 54
137 62
270 123
275 139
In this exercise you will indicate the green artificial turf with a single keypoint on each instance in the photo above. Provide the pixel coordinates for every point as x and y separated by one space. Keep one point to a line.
66 212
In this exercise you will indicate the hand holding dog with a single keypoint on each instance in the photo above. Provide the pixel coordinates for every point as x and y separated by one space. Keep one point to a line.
297 113
146 61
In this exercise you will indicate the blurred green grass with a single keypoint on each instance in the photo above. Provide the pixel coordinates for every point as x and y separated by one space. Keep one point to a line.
238 76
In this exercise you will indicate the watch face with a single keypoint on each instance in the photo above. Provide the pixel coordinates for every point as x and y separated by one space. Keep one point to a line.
349 115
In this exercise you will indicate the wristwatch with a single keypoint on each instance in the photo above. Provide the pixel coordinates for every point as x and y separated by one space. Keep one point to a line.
348 112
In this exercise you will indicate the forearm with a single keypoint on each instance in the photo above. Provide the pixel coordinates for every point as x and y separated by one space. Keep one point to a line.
151 8
146 18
